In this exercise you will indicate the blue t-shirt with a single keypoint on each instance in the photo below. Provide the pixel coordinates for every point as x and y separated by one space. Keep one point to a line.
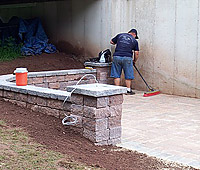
126 44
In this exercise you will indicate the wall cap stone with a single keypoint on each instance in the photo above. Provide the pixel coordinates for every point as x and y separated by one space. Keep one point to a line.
93 64
97 89
60 72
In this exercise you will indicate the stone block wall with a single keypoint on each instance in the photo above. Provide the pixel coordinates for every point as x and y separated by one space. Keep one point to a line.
60 81
48 106
102 71
99 118
103 75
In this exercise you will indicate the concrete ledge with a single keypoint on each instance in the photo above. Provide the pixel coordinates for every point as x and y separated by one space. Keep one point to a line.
60 72
93 64
97 89
32 90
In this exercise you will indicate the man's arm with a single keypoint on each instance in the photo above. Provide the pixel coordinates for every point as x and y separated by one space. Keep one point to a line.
111 42
136 52
136 55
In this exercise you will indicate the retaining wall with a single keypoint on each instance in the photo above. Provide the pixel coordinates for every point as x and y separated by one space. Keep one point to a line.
40 95
98 109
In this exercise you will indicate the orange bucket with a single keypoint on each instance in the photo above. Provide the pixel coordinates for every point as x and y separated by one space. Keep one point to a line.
21 76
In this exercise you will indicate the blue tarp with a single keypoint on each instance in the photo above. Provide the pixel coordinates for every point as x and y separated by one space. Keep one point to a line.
34 38
30 32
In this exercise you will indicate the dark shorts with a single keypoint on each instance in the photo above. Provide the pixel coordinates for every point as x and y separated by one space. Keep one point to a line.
122 63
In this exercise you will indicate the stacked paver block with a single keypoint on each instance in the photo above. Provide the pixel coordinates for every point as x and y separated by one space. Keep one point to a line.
102 119
49 105
103 71
60 81
99 119
99 116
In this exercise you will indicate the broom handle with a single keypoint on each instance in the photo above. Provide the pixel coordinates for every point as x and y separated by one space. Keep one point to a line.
151 89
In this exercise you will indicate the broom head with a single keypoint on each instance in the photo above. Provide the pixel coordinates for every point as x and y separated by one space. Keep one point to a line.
151 93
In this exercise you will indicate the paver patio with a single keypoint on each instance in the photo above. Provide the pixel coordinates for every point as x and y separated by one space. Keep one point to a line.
164 126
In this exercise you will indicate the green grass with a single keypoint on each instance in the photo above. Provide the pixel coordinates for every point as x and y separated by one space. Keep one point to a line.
9 50
17 151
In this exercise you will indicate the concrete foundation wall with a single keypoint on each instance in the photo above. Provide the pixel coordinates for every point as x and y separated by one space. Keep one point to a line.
168 32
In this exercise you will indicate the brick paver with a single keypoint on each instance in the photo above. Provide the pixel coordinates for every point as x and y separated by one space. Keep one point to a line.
164 126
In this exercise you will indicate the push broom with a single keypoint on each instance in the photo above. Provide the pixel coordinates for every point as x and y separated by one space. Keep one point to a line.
151 91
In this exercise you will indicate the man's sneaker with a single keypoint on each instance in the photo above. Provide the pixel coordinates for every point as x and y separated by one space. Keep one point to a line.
130 92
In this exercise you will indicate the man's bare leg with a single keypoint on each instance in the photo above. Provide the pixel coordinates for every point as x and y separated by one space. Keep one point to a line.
117 81
128 83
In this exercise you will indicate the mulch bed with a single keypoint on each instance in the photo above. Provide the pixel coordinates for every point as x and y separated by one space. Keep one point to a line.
50 132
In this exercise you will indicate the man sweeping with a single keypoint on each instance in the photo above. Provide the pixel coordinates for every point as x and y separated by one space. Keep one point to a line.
126 45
